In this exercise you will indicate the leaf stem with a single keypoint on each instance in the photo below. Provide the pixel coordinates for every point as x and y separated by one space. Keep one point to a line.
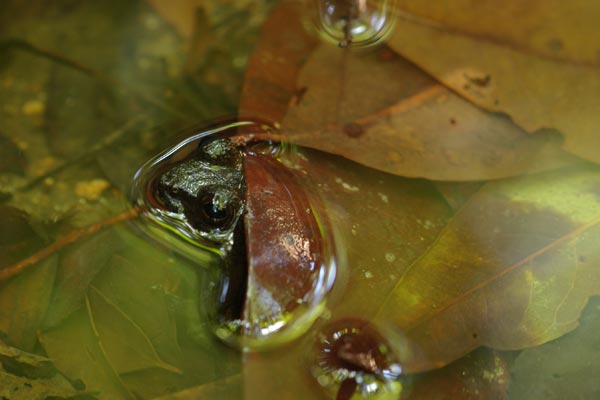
66 240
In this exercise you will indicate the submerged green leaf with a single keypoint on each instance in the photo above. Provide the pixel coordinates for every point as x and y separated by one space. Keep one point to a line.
513 268
76 352
78 266
125 344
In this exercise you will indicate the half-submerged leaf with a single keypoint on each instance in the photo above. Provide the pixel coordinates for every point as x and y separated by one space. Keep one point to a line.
536 61
127 347
380 110
386 114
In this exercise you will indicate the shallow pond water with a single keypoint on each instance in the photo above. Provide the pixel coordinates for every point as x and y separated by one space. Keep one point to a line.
427 289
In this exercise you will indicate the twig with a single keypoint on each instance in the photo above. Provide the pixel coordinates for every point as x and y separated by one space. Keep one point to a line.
66 240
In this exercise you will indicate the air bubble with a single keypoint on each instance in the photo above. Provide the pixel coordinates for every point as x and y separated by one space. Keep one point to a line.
352 357
353 23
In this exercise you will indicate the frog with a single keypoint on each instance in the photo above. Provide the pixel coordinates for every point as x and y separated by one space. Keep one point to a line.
204 195
249 225
204 192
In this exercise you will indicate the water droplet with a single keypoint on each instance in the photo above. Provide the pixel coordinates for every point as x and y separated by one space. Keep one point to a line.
353 23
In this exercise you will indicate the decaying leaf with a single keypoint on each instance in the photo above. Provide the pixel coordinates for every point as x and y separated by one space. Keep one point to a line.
421 129
18 388
536 61
25 376
23 363
18 238
548 28
380 110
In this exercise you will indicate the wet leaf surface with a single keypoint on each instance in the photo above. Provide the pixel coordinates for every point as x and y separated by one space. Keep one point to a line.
544 73
378 109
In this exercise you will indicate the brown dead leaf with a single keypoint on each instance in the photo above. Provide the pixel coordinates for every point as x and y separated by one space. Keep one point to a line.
378 109
536 61
270 80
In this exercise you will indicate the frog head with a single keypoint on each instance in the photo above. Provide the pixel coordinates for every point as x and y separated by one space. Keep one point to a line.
203 194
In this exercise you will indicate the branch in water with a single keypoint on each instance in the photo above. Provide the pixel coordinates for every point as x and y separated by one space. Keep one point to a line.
66 240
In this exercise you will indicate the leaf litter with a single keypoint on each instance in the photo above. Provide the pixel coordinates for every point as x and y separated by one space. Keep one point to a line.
439 231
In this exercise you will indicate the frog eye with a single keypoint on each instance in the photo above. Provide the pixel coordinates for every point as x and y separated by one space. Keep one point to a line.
213 209
218 151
